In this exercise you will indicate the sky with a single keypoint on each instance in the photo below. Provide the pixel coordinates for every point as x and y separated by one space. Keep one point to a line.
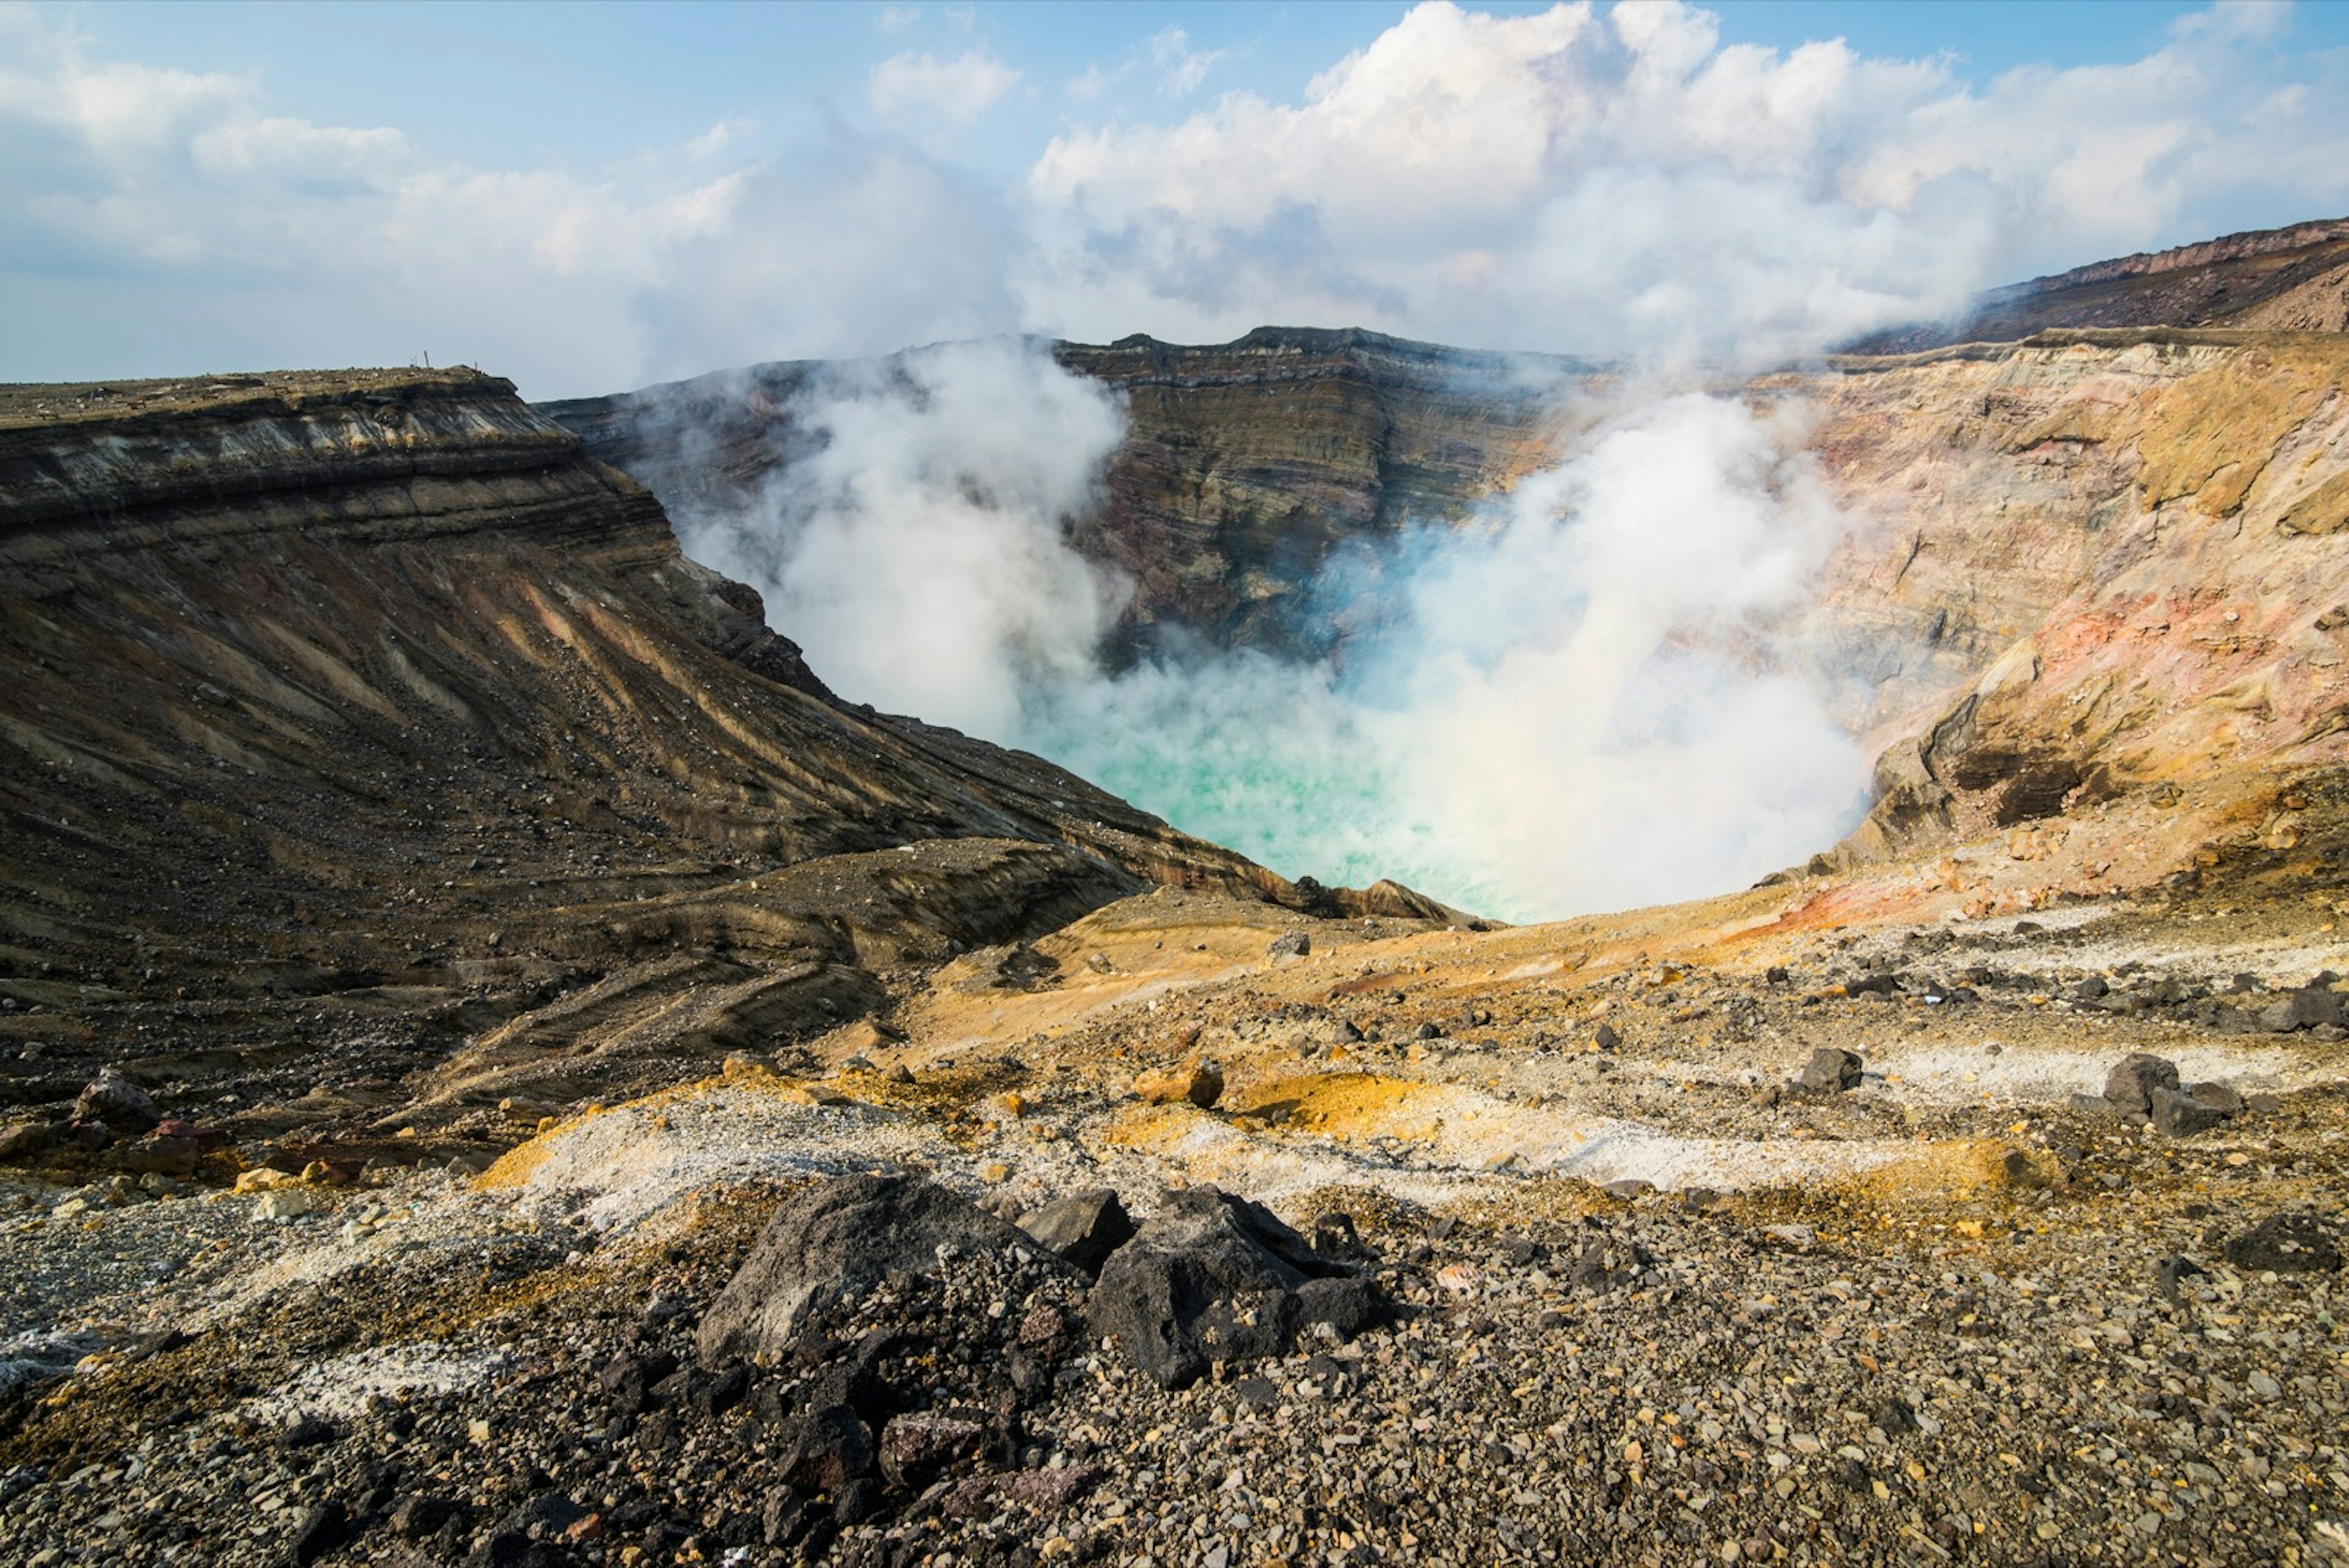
587 198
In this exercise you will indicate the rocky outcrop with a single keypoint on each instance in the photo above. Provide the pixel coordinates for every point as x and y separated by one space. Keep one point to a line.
1243 466
2294 279
1212 1277
366 709
830 1245
2090 565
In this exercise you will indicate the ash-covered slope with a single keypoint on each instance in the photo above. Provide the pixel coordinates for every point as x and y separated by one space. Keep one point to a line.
365 710
1244 463
2292 279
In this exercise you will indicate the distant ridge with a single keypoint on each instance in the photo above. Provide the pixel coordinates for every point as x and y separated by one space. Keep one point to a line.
2292 279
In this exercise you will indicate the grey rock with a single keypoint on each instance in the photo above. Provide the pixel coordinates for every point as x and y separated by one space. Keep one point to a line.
1084 1228
1349 1304
2171 1273
628 1380
917 1449
1830 1070
1605 1037
785 1517
23 1140
2020 1172
834 1244
1213 1277
309 1432
323 1529
2131 1083
857 1500
1335 1238
421 1515
2093 1105
1289 944
2310 1007
2182 1116
548 1514
2219 1097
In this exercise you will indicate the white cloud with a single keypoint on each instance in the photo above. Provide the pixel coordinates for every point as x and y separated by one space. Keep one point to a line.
722 135
1184 68
156 221
1088 87
858 250
921 88
1579 181
1569 179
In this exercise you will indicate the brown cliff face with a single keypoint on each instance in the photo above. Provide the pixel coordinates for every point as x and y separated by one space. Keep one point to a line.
1243 466
2294 279
364 710
2102 570
1246 465
2084 567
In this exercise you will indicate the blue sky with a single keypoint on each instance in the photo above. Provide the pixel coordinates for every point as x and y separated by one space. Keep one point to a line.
589 85
591 197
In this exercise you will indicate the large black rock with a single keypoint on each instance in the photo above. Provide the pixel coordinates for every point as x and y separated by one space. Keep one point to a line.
1211 1277
1084 1228
832 1243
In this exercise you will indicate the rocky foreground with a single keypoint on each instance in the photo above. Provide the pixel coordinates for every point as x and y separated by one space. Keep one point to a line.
1708 1234
499 1064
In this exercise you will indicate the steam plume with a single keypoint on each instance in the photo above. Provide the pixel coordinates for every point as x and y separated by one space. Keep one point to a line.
1594 694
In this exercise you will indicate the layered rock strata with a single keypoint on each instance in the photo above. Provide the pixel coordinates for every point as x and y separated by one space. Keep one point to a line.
1243 465
365 710
2292 279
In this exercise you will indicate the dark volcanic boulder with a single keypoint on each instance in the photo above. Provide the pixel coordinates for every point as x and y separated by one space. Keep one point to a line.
827 1449
2310 1007
1084 1228
2130 1085
2183 1116
831 1244
118 1102
1211 1277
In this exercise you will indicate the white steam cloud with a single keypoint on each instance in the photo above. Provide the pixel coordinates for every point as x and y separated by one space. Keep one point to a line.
918 553
1593 695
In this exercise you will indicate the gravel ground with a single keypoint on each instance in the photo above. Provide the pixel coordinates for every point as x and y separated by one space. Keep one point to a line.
1573 1378
1941 1315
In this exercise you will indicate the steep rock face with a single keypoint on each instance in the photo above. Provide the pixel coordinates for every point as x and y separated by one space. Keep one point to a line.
1243 466
2090 563
1246 464
2294 279
364 708
2082 564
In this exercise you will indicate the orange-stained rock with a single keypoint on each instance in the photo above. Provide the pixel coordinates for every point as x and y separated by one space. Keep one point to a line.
1201 1083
